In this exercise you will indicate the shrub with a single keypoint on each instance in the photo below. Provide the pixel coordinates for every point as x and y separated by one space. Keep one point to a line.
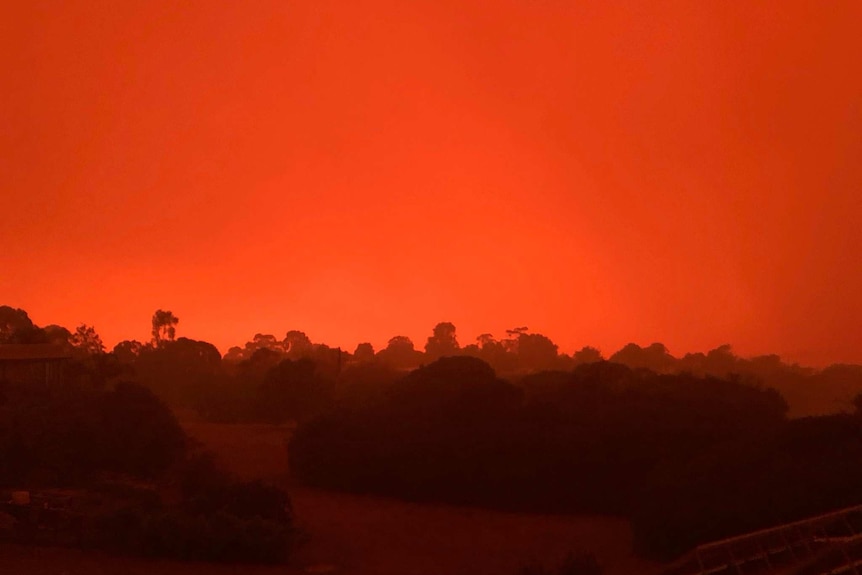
142 436
179 534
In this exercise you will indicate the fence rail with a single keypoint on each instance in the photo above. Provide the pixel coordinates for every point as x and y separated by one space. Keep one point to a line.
825 544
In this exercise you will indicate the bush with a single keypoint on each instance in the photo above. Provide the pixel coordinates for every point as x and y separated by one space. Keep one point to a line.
811 466
66 434
207 488
583 441
245 500
256 534
218 537
142 436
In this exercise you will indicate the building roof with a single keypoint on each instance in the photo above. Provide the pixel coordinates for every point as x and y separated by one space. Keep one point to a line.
32 352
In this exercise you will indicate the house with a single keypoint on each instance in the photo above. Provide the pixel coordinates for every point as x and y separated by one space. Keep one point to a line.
33 363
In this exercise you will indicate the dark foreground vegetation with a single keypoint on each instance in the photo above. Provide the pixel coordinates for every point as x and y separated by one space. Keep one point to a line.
690 449
107 466
689 459
572 564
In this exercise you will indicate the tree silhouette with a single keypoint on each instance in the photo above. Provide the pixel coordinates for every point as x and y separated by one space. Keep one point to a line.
535 351
164 327
86 341
297 345
237 354
57 334
266 340
587 354
127 351
485 339
292 390
364 352
496 353
721 360
16 327
655 357
442 342
510 344
400 353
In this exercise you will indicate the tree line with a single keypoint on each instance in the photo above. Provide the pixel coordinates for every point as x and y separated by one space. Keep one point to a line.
141 486
185 370
691 449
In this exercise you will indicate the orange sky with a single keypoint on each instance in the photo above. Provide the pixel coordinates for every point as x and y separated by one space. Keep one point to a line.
684 172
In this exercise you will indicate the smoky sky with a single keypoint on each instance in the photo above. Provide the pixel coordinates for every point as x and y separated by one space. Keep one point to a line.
601 172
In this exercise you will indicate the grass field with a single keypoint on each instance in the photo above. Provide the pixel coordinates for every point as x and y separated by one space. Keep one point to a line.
29 560
364 535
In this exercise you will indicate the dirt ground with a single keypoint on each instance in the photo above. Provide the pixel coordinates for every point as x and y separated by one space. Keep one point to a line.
363 535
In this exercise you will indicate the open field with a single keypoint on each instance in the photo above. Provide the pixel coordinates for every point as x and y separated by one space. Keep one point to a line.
30 560
365 535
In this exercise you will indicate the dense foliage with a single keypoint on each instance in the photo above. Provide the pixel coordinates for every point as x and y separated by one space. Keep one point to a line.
139 484
807 467
692 448
218 519
65 435
690 459
579 441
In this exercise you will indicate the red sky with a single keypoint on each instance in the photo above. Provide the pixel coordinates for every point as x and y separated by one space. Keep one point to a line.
606 172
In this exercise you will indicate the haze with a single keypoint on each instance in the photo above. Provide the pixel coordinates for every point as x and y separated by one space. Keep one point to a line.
686 173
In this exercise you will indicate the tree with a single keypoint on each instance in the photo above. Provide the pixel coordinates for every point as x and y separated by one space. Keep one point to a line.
466 386
253 369
400 342
57 334
364 352
400 353
721 360
497 353
694 363
655 357
86 341
443 341
536 352
142 436
234 355
16 327
297 345
587 354
266 340
511 342
128 351
164 327
292 390
178 370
